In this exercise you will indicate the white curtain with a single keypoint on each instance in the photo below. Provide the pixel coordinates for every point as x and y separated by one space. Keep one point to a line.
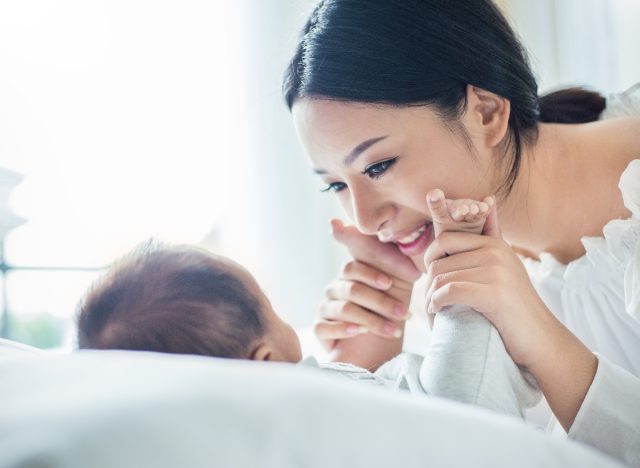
280 229
132 119
585 42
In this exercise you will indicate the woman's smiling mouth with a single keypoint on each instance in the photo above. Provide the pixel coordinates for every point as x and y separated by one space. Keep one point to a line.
416 242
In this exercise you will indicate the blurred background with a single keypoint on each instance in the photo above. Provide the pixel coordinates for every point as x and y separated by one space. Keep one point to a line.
123 120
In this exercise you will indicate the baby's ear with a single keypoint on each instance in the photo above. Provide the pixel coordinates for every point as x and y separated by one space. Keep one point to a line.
261 353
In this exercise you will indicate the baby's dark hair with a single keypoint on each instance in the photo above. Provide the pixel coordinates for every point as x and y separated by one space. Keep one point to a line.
170 299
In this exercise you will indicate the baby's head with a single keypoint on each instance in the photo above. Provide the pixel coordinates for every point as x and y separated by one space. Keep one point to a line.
183 300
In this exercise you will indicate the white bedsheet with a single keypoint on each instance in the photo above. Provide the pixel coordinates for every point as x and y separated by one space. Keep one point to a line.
125 409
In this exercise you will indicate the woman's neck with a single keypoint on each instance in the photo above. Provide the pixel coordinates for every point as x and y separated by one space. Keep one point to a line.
566 189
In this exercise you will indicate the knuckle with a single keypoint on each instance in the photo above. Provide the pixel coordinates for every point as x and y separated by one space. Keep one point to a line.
343 308
354 289
454 288
377 324
348 269
323 307
319 328
432 270
389 305
441 280
495 254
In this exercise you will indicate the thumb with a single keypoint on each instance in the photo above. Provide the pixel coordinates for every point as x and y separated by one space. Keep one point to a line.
336 229
438 206
491 225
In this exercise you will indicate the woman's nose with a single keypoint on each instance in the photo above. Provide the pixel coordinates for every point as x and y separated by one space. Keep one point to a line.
370 213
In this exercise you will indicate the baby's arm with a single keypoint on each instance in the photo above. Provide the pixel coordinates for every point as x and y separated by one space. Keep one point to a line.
467 360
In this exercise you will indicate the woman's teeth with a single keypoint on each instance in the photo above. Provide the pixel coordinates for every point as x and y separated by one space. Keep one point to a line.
413 236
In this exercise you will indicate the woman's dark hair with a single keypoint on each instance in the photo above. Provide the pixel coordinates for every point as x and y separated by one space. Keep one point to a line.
171 300
426 52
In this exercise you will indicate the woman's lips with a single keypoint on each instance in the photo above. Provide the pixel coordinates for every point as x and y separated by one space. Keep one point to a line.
419 245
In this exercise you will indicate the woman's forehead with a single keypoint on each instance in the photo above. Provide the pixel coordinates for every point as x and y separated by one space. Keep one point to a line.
362 120
330 128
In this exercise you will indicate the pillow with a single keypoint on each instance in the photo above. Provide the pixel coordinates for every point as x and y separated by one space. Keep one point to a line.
10 348
134 409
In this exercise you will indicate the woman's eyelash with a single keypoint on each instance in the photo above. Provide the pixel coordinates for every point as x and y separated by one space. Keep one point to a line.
335 187
375 171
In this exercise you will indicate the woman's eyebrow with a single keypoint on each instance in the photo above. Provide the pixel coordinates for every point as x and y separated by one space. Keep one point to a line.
357 151
361 148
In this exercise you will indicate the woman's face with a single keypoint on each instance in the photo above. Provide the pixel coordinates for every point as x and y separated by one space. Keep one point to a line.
380 161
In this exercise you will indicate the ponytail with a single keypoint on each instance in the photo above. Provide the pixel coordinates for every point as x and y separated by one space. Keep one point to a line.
571 106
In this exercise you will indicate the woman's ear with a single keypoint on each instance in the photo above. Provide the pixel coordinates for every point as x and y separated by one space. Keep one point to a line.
487 114
262 353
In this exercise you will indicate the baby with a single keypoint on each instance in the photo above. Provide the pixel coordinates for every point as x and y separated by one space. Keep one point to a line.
186 300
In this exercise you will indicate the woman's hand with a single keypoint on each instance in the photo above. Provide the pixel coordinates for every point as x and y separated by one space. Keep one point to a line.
483 272
362 300
365 308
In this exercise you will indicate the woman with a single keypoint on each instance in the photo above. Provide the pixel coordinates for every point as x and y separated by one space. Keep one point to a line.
394 99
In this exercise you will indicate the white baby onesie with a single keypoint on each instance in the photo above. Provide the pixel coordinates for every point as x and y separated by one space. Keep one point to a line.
466 362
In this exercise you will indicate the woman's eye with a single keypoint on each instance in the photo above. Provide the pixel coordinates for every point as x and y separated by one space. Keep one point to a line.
335 187
375 171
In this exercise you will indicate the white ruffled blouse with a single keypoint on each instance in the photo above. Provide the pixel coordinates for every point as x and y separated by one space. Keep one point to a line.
597 297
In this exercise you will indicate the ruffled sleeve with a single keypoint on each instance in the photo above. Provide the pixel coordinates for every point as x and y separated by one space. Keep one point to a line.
630 188
623 104
609 418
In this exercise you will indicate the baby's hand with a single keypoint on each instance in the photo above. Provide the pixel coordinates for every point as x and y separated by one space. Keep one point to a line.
458 215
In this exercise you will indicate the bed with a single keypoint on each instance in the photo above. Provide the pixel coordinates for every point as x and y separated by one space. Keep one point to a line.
94 409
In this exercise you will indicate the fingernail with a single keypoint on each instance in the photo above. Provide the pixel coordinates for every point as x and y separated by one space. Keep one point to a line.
383 281
399 310
435 196
391 330
357 330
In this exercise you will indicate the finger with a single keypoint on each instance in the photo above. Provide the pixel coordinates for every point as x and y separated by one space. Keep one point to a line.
451 243
438 206
349 312
474 295
367 298
473 275
336 228
329 332
457 216
384 256
363 273
462 261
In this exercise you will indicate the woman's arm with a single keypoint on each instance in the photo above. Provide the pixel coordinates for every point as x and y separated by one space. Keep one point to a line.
564 369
